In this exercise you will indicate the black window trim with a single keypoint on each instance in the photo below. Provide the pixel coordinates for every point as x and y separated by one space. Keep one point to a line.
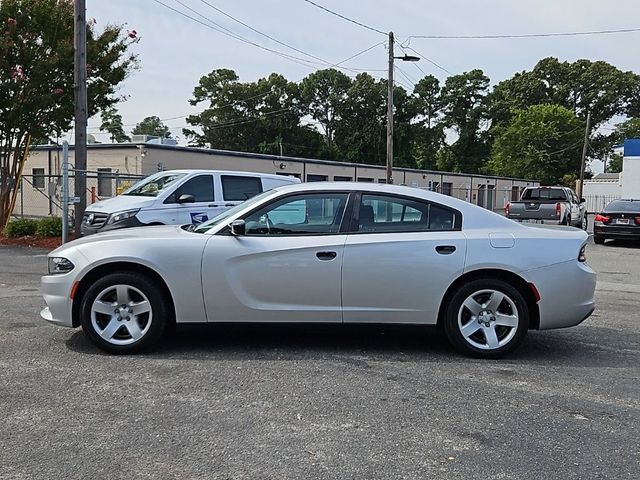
342 230
355 214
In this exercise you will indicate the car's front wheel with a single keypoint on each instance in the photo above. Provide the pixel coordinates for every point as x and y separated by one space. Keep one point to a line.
486 318
124 312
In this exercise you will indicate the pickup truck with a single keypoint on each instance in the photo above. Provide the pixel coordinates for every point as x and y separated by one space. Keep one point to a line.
554 205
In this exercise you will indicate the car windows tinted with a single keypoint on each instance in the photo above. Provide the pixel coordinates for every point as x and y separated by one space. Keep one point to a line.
623 206
201 187
240 188
381 213
154 185
544 194
304 214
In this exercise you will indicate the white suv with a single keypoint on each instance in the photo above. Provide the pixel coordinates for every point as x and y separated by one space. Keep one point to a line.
177 197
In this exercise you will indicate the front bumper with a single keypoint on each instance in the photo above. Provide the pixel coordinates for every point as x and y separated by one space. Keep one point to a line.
56 290
88 229
567 293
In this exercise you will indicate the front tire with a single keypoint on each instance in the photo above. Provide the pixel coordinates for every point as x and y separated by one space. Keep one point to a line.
486 318
124 313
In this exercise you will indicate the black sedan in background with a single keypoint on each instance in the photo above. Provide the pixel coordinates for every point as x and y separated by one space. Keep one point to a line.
620 220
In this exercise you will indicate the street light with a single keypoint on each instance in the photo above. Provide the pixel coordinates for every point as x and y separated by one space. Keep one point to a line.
404 58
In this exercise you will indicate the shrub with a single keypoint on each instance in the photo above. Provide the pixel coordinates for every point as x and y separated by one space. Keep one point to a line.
21 227
50 227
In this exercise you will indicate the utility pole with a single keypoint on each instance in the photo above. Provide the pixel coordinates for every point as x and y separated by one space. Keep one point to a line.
390 114
65 192
584 154
80 99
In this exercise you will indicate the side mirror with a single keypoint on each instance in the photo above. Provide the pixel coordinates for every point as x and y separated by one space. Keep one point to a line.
583 200
186 198
238 228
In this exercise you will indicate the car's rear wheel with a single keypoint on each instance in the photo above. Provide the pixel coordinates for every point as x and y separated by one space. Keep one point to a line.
124 313
486 318
598 239
584 224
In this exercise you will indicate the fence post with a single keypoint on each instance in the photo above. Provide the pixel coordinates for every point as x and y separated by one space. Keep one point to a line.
65 192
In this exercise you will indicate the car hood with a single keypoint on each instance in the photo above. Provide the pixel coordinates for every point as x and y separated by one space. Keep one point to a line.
121 203
165 232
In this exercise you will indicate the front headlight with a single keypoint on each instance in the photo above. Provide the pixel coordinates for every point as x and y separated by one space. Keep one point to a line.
59 265
120 216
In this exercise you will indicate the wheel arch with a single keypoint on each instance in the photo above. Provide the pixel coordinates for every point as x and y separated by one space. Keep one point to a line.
116 267
498 274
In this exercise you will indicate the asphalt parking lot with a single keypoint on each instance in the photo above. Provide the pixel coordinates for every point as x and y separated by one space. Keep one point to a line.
247 402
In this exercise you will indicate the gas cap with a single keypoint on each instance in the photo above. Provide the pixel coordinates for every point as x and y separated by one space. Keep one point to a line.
502 240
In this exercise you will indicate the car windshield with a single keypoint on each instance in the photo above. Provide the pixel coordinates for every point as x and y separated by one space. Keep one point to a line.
154 185
203 227
623 206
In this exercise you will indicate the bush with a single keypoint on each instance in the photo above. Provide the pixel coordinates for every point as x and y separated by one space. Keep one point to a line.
21 227
50 227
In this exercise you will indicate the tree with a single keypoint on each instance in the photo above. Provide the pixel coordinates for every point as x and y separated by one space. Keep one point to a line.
542 142
615 163
429 135
463 100
112 123
250 117
36 78
323 94
152 126
603 144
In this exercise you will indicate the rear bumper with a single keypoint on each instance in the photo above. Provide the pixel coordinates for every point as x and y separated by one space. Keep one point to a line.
545 221
567 293
617 231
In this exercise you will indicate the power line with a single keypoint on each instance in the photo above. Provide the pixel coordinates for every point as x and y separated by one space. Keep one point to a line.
526 35
346 18
431 61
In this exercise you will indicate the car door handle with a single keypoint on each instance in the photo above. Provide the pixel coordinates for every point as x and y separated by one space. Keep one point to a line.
445 249
229 204
211 205
326 255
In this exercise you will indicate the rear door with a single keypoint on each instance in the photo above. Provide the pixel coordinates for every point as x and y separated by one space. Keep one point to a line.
238 188
401 259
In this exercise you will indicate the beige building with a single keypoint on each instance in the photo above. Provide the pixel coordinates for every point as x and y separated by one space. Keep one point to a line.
113 167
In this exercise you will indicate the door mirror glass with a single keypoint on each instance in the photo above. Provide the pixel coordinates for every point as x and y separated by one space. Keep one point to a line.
583 200
238 227
186 198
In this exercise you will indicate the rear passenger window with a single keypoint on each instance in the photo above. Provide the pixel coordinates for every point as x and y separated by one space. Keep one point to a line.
236 188
382 214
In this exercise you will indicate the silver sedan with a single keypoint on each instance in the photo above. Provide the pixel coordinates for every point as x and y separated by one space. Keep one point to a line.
327 252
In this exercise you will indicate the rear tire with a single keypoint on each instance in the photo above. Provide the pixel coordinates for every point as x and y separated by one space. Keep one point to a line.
124 313
486 318
598 240
584 223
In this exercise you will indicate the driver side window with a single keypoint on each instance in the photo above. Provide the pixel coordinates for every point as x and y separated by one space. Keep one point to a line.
305 214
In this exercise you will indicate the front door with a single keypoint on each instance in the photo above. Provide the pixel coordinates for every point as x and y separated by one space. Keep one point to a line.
399 265
286 268
202 209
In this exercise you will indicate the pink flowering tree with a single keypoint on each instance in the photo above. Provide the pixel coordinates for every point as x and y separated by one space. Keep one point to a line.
36 78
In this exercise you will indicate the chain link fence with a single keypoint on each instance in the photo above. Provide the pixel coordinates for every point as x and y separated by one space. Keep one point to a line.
40 195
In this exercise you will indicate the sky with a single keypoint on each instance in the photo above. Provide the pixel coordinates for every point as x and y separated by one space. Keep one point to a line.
174 51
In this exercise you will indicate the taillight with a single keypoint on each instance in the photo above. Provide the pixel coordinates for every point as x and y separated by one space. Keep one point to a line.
637 220
603 219
558 210
582 256
507 207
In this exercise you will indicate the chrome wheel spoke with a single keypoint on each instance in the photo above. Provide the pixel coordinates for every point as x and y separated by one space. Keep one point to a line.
106 308
110 330
491 337
473 306
122 294
134 329
494 301
506 320
470 328
140 307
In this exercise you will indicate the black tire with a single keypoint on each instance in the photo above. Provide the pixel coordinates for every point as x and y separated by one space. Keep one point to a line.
584 224
511 336
152 325
598 240
567 220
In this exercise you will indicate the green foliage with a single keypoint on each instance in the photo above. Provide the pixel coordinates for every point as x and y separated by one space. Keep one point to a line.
615 163
152 126
36 77
21 227
49 227
112 123
603 144
543 142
